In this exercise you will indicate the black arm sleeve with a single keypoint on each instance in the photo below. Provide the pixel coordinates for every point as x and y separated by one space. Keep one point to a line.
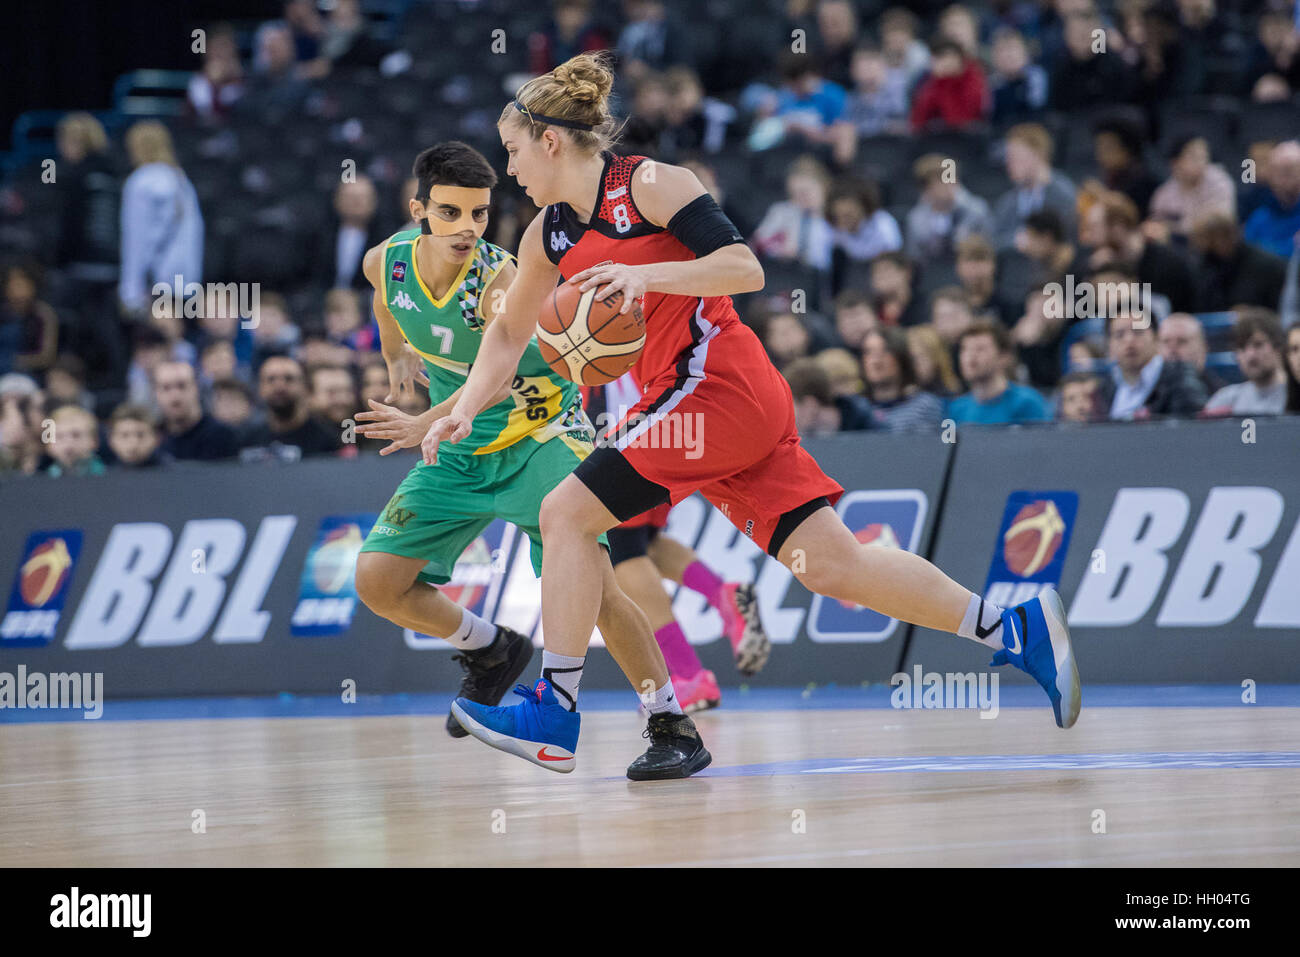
702 227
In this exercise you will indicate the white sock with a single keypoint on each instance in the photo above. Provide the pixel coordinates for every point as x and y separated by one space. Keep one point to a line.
472 632
565 674
983 623
663 701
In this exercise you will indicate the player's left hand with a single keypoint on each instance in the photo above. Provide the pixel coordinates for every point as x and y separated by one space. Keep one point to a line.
630 280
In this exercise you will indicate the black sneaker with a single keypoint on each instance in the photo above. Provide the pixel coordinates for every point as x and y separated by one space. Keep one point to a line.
491 671
675 751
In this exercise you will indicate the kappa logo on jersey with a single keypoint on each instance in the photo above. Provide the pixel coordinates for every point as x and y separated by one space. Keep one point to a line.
399 271
40 588
477 579
1033 540
403 300
560 241
886 519
327 593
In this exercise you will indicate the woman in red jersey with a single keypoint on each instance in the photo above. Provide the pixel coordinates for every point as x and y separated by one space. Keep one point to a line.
715 415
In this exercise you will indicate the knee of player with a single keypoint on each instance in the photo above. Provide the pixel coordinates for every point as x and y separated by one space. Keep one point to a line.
560 515
373 588
822 577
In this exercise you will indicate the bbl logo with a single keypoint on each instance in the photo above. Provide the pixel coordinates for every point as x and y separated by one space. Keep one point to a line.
40 587
1032 542
399 271
885 519
327 595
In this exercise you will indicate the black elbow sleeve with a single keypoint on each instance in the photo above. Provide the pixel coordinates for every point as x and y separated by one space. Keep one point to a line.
702 227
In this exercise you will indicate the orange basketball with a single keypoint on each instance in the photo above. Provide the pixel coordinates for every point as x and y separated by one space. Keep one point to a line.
586 340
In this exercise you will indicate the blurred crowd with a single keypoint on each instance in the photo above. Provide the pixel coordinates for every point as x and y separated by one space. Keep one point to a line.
943 196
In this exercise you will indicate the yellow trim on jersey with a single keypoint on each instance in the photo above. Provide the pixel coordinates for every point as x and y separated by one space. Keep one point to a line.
455 283
518 425
576 446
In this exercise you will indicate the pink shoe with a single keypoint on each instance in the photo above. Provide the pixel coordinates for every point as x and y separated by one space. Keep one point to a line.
741 625
698 693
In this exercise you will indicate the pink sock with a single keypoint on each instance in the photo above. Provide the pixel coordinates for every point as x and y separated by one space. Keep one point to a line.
699 577
678 653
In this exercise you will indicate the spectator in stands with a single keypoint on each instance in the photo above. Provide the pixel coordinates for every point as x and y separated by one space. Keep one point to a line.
1181 338
345 324
785 338
984 352
1043 241
29 329
333 395
1018 86
860 229
162 226
796 228
1273 70
1142 383
1123 246
20 444
189 432
651 40
1035 185
1195 187
854 318
219 322
289 431
1087 76
374 380
86 249
355 229
817 409
906 56
893 296
216 362
347 40
1119 151
837 31
1273 225
808 106
307 27
1293 370
945 214
954 95
932 361
693 122
1233 272
65 383
950 315
74 443
1261 356
232 405
844 369
977 271
1085 355
219 82
1037 336
645 125
1079 392
278 83
569 32
133 437
274 333
877 100
958 24
149 349
898 404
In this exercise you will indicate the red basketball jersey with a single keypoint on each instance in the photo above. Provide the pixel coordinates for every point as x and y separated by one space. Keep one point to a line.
619 233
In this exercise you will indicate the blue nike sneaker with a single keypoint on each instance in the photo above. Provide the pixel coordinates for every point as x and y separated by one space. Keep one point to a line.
1036 639
540 729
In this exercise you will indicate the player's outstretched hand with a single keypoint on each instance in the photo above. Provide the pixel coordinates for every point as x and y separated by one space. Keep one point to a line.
612 277
403 373
452 427
401 429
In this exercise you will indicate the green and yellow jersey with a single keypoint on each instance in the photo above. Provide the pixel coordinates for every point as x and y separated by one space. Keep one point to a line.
447 332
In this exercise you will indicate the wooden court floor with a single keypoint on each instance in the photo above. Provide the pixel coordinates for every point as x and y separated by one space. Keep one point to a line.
830 787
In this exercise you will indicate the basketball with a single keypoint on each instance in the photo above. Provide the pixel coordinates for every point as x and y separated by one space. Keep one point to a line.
588 341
